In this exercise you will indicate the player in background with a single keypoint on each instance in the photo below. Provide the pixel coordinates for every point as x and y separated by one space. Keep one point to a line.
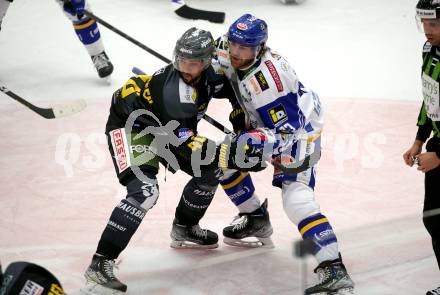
428 15
154 119
86 29
275 109
4 5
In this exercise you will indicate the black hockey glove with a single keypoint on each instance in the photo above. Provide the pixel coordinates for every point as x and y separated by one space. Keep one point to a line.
238 155
238 120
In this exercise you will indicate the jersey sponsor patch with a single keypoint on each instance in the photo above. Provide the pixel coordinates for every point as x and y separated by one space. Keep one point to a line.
120 149
254 84
187 93
273 72
31 288
261 80
431 97
278 114
184 133
427 47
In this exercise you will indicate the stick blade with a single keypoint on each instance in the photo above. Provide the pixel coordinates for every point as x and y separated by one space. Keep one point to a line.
193 13
69 108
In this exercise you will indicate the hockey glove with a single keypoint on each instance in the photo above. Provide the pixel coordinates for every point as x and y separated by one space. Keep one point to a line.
74 7
237 154
238 120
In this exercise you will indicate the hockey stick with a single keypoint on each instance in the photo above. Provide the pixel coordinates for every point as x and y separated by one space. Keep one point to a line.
183 10
57 111
293 168
124 35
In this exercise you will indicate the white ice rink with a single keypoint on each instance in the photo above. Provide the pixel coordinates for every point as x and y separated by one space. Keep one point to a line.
58 186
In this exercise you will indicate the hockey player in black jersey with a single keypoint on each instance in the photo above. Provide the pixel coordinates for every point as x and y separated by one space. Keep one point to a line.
428 15
153 119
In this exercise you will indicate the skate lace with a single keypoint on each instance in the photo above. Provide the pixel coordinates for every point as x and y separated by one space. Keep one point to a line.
108 266
324 274
239 222
435 291
100 61
199 232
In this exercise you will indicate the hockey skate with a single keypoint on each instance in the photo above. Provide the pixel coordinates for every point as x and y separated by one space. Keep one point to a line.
248 226
434 292
184 236
102 64
100 278
333 278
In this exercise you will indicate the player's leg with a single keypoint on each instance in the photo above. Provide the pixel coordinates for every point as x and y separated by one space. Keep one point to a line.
431 208
139 177
251 228
302 209
194 201
88 33
4 5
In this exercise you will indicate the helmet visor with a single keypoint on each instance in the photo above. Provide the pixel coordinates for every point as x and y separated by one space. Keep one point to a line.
191 66
427 25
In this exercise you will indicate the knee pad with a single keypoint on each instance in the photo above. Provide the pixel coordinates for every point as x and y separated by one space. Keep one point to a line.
209 180
194 202
298 201
144 194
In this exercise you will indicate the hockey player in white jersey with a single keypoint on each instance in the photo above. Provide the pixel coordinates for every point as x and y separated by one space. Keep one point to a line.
86 29
278 110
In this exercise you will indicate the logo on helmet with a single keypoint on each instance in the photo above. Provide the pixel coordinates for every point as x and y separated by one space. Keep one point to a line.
242 26
205 43
185 50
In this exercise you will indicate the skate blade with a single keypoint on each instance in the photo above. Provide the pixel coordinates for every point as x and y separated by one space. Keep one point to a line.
189 245
259 243
92 288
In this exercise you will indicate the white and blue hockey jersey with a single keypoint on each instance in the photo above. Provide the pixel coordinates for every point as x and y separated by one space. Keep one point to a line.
272 96
274 99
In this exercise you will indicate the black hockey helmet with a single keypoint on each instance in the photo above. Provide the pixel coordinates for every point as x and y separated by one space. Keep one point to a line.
194 44
29 278
429 9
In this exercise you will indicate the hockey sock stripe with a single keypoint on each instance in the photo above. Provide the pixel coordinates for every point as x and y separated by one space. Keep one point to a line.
240 190
236 178
87 31
318 229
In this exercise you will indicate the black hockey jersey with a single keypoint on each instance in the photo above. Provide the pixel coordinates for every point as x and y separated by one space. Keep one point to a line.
168 98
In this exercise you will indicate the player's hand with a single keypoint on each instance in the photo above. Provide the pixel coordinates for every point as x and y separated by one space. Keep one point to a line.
411 154
238 120
74 7
428 161
238 155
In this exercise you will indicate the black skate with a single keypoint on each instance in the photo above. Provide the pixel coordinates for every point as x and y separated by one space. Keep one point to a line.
434 292
184 236
250 225
100 278
333 278
102 64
